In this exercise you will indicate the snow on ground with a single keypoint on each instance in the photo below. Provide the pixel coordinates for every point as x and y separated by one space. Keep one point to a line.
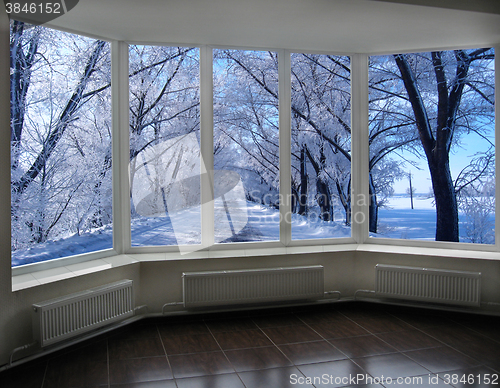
396 220
263 225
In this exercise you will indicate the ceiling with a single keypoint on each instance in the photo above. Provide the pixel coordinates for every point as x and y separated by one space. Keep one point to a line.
340 26
489 6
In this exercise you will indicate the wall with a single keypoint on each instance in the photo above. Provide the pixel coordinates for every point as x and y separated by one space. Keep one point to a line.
490 271
15 308
161 282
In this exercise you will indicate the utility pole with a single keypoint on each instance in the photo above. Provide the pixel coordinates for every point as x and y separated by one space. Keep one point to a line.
411 190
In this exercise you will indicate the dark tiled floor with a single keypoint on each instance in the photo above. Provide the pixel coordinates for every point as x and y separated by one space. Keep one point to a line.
342 344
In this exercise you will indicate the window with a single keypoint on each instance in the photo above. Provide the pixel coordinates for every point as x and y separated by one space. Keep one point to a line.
164 145
321 146
246 146
432 146
60 144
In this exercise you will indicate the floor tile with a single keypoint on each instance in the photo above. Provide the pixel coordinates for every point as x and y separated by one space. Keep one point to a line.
333 374
147 384
424 381
25 376
390 365
256 358
270 311
275 378
453 334
441 359
422 320
199 364
485 325
334 329
139 370
183 344
409 340
311 352
92 350
276 348
183 328
242 339
316 317
485 351
376 322
291 334
277 321
136 331
121 349
478 376
214 381
220 326
367 345
73 373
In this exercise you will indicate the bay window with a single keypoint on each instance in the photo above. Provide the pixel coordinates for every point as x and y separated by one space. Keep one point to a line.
277 115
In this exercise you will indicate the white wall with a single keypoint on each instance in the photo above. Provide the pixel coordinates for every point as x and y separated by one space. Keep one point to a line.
15 308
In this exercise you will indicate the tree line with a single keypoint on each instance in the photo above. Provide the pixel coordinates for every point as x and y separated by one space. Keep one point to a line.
422 103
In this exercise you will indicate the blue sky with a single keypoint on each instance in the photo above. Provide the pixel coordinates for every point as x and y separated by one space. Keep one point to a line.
460 157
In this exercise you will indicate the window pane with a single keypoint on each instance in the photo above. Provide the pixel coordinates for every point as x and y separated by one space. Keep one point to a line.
60 144
164 145
321 146
246 153
432 155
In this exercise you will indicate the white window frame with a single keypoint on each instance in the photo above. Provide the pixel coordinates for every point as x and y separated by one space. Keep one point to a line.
415 245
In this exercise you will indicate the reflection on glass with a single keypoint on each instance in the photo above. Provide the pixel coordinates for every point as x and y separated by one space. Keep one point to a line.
165 163
246 149
321 146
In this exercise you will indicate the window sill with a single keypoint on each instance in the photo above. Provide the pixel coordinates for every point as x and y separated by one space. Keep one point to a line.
33 279
451 252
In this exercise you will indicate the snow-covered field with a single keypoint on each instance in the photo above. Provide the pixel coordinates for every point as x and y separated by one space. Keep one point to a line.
396 220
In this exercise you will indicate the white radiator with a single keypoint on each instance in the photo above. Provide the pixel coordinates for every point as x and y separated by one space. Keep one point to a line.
429 285
68 316
215 288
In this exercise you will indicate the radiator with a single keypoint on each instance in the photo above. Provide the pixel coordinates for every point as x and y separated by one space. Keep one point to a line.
429 285
216 288
68 316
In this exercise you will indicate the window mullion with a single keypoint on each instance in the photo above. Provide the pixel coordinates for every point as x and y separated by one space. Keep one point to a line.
207 146
360 148
120 150
284 63
497 144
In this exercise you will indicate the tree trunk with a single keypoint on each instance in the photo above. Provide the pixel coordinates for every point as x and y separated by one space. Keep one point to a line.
303 183
345 200
323 196
21 64
373 208
446 202
62 124
324 200
437 147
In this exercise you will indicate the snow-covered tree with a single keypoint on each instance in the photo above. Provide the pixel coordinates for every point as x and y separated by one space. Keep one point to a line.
60 134
426 102
164 104
246 132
